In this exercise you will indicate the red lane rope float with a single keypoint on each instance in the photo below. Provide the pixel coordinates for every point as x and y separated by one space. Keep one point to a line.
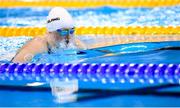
112 73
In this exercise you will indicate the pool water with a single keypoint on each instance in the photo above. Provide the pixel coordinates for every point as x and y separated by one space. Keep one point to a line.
24 93
102 16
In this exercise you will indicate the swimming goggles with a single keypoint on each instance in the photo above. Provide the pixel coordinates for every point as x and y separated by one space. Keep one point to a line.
65 32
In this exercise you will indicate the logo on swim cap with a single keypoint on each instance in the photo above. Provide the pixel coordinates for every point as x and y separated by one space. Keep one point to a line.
53 20
59 18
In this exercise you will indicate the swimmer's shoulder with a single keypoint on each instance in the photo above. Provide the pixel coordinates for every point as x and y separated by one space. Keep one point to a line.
38 42
40 39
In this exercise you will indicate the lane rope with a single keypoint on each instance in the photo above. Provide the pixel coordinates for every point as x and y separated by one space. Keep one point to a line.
129 30
88 3
107 73
106 36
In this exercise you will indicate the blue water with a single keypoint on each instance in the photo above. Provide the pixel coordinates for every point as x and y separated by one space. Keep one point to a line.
40 99
102 16
15 93
127 53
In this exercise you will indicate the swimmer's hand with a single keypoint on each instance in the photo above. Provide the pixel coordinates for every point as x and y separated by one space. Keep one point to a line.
80 44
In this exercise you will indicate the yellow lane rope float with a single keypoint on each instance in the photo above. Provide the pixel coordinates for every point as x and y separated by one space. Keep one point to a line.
87 3
106 36
129 30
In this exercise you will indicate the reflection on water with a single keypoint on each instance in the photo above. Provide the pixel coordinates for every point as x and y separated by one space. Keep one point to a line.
63 90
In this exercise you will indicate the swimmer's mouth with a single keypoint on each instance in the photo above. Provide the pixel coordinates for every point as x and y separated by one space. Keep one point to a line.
67 41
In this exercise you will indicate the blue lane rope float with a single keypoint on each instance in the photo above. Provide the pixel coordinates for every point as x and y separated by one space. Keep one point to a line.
113 73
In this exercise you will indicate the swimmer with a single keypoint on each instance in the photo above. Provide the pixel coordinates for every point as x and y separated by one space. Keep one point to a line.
60 30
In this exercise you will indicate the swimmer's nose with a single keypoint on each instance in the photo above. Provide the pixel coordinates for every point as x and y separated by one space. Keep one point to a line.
67 37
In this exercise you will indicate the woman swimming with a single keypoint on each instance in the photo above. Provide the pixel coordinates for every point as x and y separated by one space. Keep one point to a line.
60 32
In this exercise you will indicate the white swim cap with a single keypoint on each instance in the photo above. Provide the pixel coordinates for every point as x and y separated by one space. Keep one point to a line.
59 18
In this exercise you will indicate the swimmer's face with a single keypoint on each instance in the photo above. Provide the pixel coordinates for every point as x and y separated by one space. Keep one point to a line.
65 33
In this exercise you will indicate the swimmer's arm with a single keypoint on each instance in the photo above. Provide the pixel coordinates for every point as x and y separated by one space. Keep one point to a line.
29 50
